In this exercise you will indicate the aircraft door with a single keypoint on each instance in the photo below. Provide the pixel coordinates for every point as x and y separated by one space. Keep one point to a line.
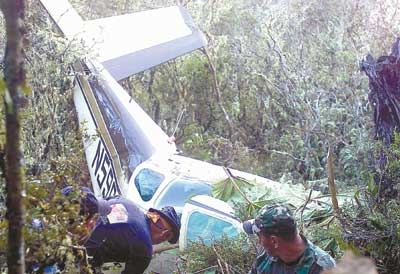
206 218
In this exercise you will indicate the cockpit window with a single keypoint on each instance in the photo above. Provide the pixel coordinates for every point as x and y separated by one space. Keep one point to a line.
147 182
208 228
180 191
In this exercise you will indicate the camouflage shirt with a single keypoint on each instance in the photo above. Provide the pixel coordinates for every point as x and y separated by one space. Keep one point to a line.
313 261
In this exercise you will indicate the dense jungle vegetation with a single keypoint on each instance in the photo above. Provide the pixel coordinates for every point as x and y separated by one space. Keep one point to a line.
278 84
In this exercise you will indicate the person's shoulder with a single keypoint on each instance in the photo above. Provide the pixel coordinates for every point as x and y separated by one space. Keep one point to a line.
120 200
323 259
262 256
121 205
263 263
260 259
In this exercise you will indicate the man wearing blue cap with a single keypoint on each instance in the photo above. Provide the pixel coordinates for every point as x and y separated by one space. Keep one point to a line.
122 232
285 250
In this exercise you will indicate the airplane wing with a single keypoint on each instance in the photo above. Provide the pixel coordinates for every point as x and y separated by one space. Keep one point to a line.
128 44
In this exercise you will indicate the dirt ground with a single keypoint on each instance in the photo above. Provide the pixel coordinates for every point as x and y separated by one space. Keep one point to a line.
164 263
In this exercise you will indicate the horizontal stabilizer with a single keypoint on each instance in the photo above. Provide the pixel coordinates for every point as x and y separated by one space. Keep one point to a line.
65 16
128 44
135 42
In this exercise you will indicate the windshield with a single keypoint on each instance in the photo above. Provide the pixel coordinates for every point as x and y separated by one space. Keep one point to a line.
208 228
147 182
180 191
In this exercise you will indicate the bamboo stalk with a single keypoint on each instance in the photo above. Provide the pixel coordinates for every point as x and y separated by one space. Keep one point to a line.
331 181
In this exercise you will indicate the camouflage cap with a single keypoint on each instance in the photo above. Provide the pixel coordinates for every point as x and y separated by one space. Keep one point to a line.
277 219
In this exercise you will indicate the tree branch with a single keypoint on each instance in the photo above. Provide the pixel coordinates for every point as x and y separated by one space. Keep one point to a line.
217 91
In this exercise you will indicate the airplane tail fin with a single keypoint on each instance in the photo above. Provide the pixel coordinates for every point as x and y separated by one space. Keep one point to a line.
121 134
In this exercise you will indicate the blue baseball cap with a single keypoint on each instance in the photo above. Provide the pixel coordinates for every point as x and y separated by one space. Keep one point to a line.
168 213
88 201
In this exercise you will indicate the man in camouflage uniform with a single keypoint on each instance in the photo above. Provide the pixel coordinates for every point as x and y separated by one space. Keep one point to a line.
285 250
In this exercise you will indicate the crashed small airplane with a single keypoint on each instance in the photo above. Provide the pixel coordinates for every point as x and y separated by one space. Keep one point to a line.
127 153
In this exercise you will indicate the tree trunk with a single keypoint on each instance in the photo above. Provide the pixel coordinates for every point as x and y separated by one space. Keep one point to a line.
14 76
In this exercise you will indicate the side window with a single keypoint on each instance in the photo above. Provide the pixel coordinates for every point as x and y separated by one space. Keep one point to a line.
147 182
207 228
179 192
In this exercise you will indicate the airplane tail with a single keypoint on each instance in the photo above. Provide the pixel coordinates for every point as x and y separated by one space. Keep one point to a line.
123 134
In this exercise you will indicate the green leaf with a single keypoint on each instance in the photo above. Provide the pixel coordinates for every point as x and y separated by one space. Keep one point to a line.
370 186
344 245
223 190
25 89
375 190
3 86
